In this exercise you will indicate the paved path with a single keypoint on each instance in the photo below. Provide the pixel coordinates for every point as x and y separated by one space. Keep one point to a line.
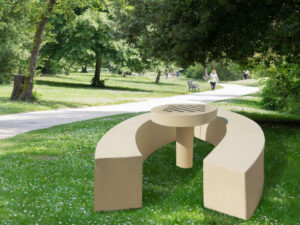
13 124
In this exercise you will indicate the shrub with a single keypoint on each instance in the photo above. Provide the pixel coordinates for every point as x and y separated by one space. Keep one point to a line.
293 99
282 90
5 78
225 70
195 72
98 83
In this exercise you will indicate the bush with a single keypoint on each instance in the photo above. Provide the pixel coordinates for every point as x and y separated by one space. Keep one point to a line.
195 72
293 99
98 83
5 78
225 70
282 90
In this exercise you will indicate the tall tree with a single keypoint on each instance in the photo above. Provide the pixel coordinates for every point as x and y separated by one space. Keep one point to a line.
202 31
91 39
26 94
15 16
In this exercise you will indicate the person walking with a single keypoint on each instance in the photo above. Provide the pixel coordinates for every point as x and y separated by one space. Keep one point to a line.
213 79
246 73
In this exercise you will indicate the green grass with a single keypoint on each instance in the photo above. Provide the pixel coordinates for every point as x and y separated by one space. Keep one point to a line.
249 106
46 177
62 91
249 82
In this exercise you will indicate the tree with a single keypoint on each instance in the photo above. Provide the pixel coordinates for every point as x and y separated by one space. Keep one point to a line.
93 35
13 43
26 94
202 31
89 37
283 37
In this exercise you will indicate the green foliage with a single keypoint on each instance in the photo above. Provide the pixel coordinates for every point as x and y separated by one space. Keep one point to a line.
5 78
15 33
193 31
227 71
282 90
98 83
293 100
195 71
37 96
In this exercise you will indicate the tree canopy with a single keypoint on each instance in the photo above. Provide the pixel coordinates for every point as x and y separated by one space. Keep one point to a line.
192 31
132 35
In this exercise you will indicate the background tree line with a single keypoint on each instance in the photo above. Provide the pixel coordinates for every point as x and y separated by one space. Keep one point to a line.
134 35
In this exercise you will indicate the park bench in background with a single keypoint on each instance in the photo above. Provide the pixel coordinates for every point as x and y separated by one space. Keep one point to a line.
192 86
233 173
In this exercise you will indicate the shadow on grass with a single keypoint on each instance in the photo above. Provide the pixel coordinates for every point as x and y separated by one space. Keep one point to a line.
149 82
275 155
118 88
85 86
162 178
17 107
283 120
62 84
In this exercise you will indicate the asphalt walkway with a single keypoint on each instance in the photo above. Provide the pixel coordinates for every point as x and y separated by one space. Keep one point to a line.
14 124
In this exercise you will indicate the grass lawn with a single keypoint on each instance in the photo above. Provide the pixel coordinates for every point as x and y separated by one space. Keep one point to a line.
249 106
46 176
249 82
71 91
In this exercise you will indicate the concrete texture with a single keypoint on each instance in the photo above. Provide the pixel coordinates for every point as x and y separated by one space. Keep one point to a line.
184 117
233 172
119 160
14 124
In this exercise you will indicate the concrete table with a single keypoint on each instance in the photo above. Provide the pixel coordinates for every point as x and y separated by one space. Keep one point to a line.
184 117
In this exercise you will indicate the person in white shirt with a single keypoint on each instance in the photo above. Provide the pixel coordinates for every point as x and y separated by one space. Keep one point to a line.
246 73
213 79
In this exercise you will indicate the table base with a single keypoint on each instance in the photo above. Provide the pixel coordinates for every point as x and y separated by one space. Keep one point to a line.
184 147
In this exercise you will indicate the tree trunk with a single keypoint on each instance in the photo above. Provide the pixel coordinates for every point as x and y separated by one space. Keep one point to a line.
158 77
83 69
26 94
19 80
205 72
96 78
205 69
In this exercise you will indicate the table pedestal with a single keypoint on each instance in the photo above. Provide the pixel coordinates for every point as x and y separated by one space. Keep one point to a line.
184 146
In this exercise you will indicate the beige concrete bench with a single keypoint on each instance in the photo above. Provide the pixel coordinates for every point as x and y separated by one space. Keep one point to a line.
233 172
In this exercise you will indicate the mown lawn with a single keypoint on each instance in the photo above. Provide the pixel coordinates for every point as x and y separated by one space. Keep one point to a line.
249 82
249 106
71 91
46 177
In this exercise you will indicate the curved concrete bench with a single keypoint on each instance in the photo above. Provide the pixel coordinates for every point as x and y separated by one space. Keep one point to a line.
119 161
233 172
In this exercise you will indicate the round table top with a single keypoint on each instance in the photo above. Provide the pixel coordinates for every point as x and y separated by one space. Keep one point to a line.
183 115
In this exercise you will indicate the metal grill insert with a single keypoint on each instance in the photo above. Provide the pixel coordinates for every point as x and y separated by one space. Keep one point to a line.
185 108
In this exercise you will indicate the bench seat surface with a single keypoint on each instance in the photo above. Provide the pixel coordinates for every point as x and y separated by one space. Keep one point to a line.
242 145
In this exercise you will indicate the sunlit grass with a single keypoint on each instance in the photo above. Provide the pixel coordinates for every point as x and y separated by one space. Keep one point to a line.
249 82
46 177
249 105
71 91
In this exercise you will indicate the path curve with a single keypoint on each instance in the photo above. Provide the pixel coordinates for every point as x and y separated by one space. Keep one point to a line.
14 124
